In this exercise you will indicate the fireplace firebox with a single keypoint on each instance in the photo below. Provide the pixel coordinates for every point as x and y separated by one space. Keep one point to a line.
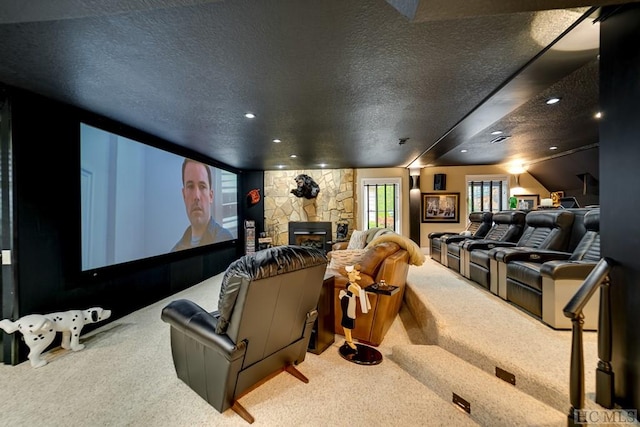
316 234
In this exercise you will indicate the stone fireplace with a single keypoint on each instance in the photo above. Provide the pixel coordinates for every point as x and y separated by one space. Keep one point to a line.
335 202
316 234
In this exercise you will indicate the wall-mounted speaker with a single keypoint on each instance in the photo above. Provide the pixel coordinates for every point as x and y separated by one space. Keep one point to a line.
440 181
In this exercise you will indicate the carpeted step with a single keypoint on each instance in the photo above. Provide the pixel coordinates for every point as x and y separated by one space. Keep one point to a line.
492 401
488 332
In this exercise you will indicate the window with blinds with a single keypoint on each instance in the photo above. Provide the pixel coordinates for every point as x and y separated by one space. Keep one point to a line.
487 193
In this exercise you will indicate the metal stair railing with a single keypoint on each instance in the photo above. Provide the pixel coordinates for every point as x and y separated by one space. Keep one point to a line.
598 278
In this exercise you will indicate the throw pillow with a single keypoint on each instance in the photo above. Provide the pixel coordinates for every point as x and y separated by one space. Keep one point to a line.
358 240
345 257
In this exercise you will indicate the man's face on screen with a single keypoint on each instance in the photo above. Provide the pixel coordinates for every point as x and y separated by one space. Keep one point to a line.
197 194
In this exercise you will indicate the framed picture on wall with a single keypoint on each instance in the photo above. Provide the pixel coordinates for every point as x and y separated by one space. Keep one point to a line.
440 207
531 200
556 196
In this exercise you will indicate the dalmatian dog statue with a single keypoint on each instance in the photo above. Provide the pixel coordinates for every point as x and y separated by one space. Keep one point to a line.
39 330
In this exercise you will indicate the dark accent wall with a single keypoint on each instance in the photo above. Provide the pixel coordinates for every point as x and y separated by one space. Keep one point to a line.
46 261
567 173
252 180
619 196
7 282
415 197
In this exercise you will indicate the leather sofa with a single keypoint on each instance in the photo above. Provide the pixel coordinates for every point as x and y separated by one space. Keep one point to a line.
388 261
542 281
479 225
544 230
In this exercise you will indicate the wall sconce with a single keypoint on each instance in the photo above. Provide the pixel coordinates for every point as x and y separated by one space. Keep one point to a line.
414 178
517 177
415 182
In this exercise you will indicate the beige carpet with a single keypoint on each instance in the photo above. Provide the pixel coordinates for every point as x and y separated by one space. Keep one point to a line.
125 377
483 329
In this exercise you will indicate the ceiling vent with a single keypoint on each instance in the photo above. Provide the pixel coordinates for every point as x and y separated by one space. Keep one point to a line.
499 139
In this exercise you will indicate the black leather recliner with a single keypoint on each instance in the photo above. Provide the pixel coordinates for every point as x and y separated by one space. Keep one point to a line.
265 315
498 256
507 227
479 225
544 229
451 243
543 281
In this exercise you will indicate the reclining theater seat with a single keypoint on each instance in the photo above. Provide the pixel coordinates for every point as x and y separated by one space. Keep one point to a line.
450 243
266 311
542 282
544 230
479 225
507 227
498 256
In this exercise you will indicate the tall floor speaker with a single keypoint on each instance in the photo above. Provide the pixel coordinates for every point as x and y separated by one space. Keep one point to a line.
440 181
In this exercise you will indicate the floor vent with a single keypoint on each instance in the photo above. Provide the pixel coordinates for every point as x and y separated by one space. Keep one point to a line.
461 403
505 376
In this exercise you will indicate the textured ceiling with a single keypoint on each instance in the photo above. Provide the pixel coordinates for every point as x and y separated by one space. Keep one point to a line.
339 82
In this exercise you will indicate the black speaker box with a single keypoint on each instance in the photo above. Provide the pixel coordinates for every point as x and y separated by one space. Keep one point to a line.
439 181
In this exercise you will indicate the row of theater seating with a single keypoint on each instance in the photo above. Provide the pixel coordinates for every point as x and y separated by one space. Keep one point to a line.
535 260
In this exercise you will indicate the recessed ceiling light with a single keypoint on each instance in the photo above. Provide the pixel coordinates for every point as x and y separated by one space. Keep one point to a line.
250 116
293 156
553 100
463 151
553 148
277 140
496 132
598 115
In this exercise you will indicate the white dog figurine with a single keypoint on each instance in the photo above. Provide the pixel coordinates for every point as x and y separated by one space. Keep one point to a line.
39 330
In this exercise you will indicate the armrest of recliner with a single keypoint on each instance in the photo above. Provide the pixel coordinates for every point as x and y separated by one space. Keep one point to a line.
485 244
527 254
438 234
455 238
566 270
394 269
474 239
195 322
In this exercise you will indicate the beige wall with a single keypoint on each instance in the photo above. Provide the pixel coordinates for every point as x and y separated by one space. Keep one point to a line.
341 194
456 183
